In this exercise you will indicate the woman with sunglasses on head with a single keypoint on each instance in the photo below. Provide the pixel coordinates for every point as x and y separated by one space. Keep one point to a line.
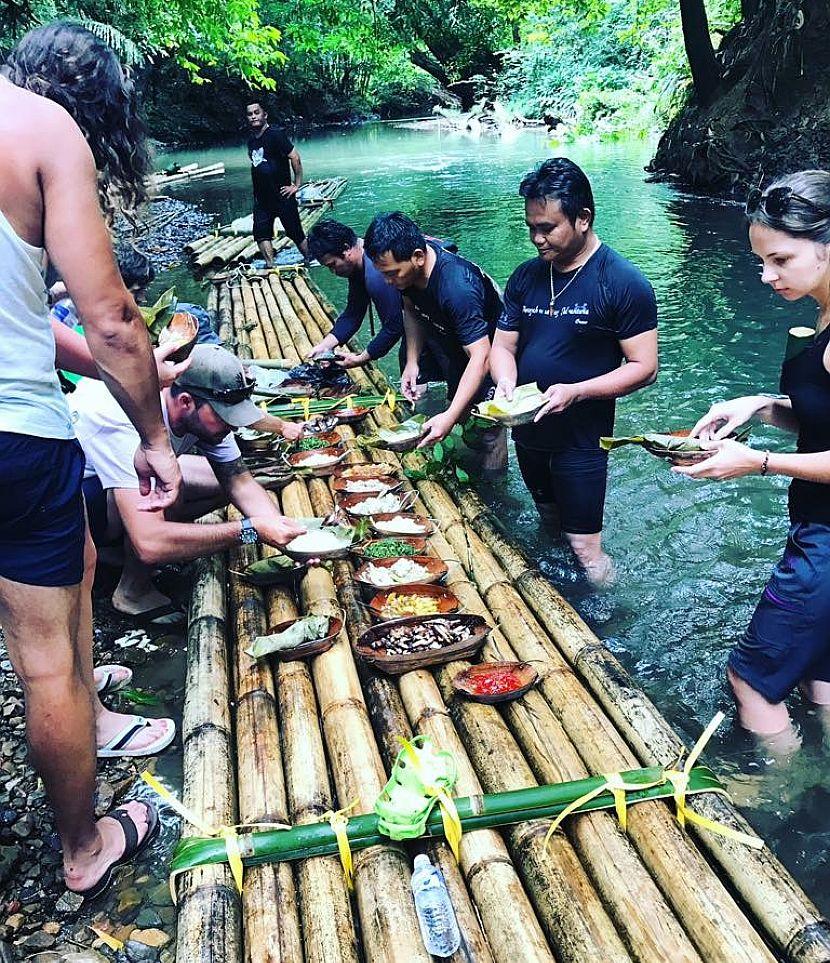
787 642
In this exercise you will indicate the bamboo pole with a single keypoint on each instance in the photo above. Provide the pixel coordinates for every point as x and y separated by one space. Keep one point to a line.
193 247
267 344
224 310
283 347
269 900
792 922
387 915
316 310
328 927
209 919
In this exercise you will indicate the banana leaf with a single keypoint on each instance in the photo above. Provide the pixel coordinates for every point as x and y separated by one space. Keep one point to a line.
307 629
521 409
321 406
271 570
400 438
482 812
666 445
157 316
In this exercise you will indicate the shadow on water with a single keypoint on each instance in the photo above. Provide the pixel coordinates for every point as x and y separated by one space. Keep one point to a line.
692 557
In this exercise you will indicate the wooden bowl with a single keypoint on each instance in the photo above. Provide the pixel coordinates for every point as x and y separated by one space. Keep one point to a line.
254 442
394 664
465 682
427 524
350 416
368 470
331 438
317 471
405 444
307 648
436 570
319 425
384 484
184 328
305 557
420 544
447 602
349 502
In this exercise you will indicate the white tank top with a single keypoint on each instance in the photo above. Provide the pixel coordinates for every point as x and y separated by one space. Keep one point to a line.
31 401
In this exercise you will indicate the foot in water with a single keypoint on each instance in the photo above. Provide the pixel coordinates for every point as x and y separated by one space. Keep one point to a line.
117 840
147 604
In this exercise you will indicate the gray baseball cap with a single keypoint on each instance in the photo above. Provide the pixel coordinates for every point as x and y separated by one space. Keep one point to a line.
217 376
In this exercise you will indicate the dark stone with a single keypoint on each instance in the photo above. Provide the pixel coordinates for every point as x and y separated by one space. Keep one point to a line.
148 919
9 858
69 903
140 952
38 941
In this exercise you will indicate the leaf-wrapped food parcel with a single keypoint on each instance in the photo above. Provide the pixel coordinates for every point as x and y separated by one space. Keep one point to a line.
521 409
308 629
667 445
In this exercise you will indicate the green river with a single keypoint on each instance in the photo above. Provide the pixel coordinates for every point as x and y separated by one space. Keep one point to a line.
692 557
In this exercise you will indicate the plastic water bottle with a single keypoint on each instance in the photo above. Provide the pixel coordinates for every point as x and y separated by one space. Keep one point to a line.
436 916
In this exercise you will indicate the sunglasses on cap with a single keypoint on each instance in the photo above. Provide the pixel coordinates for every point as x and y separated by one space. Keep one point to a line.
227 396
776 202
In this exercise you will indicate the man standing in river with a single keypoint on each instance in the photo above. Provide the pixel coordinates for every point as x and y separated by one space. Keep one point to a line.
276 175
449 305
572 315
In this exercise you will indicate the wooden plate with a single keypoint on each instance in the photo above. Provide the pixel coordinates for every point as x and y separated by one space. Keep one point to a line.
427 524
447 602
349 502
416 542
350 416
465 681
385 483
307 648
331 438
368 470
436 570
317 471
398 664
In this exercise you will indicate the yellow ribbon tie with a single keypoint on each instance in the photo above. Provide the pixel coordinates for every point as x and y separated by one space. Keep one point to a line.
229 834
264 406
338 822
306 403
347 404
614 783
390 399
450 819
680 783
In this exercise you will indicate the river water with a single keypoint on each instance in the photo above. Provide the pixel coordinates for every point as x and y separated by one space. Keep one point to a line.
692 557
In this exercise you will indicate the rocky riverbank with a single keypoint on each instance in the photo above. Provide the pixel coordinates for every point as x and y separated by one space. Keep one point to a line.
40 919
162 229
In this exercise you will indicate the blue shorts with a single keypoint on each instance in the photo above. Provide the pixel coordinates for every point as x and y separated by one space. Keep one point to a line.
788 638
41 512
574 481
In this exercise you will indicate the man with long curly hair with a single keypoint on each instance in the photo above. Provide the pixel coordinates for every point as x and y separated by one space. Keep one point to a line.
53 179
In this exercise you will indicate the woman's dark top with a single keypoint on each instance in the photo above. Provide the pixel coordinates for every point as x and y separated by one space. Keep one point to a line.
806 382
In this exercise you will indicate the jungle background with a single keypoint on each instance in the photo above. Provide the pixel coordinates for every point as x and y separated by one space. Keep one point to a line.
737 88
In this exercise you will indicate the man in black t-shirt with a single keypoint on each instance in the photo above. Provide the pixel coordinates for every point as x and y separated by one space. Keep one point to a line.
572 316
449 305
276 175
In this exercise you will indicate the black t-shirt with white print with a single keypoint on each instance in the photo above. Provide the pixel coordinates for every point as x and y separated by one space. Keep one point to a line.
270 167
608 301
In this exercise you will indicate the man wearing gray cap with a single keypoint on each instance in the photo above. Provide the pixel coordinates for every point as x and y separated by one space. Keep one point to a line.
201 408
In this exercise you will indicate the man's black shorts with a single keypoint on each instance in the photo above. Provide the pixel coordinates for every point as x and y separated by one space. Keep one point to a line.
287 210
42 512
574 481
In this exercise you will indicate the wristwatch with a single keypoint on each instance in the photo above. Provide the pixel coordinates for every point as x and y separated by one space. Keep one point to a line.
248 535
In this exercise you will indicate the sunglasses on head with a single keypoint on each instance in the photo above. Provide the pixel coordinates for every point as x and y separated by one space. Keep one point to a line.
227 396
776 201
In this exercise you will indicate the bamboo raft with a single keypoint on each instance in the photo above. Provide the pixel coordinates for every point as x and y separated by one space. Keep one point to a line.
187 173
313 736
224 247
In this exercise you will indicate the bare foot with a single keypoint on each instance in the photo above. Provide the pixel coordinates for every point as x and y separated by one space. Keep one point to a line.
108 724
138 600
84 868
602 573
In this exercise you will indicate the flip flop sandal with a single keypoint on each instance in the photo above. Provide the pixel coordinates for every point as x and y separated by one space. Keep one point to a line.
106 681
132 848
119 744
156 617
